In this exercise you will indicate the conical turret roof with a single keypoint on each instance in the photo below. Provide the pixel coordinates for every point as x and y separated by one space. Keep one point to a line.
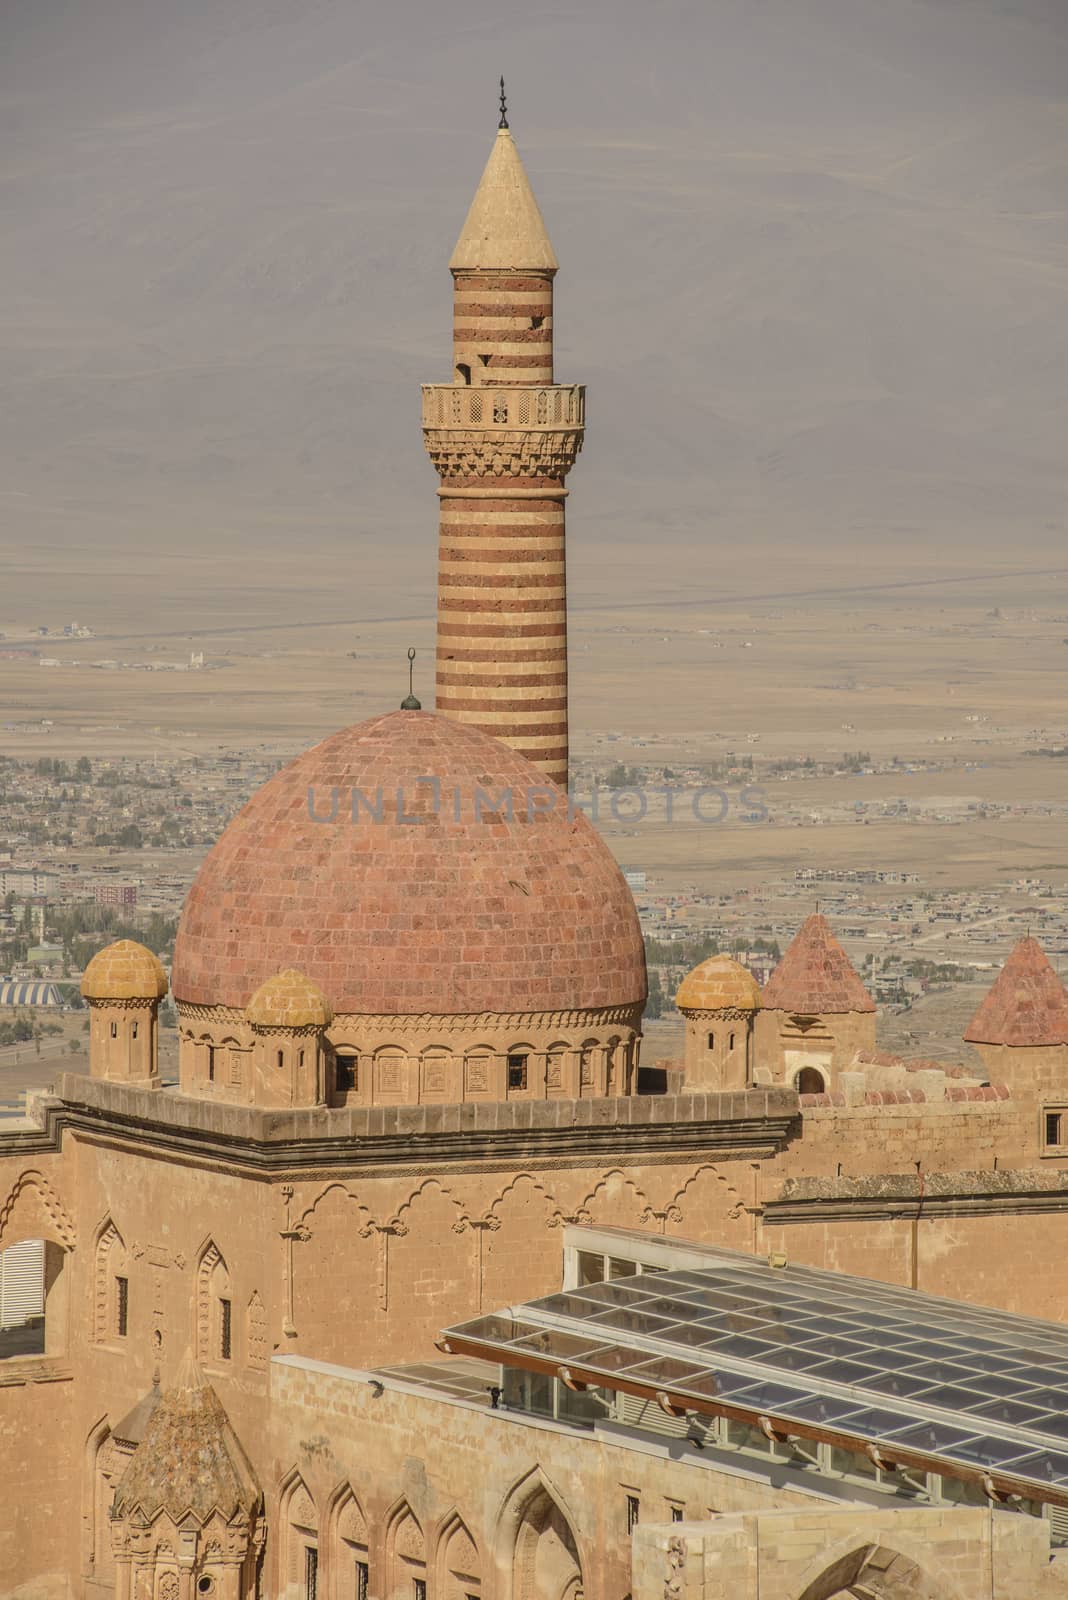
504 229
1027 1003
815 977
189 1460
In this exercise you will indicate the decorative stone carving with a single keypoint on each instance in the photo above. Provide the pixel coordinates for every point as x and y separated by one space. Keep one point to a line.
457 453
53 1212
256 1334
516 431
674 1579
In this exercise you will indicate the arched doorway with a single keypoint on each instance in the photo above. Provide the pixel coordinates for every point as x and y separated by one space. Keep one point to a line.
809 1081
872 1572
33 1299
545 1564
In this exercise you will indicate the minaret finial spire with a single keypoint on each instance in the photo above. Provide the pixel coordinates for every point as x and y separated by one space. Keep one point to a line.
504 106
410 703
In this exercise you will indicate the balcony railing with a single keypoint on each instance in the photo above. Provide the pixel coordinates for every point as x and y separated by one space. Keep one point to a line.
455 405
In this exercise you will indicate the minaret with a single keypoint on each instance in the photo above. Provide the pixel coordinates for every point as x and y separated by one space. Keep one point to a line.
503 437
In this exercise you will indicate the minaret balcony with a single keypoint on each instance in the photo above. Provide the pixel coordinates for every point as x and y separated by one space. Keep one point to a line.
533 432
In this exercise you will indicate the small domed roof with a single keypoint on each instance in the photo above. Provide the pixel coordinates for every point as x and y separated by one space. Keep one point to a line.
719 984
124 971
289 1000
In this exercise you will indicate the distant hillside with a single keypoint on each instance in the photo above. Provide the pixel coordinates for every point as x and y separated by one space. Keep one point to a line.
815 266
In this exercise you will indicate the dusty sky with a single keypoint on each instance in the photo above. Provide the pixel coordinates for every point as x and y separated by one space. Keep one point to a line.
814 270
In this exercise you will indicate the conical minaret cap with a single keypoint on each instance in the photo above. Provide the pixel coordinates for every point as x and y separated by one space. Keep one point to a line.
504 230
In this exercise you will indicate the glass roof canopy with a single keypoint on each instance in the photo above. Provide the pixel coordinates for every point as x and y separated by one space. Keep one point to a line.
938 1384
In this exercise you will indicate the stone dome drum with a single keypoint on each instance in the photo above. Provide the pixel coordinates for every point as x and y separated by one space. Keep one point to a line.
412 865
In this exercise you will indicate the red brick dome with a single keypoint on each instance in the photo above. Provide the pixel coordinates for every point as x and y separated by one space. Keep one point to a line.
464 910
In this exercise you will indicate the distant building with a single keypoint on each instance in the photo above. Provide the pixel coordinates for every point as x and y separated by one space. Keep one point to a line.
27 881
31 992
44 955
115 894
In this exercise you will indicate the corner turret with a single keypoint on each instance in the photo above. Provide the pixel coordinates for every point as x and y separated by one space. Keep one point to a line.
720 1000
124 985
815 1013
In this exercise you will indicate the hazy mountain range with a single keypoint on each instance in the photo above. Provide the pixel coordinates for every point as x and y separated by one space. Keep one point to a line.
814 267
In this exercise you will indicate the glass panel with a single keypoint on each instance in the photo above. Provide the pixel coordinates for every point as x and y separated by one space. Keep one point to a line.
1043 1468
618 1268
666 1370
1002 1385
1047 1399
988 1452
931 1438
736 1347
617 1292
1055 1424
1006 1411
894 1361
899 1383
850 1372
945 1372
799 1360
848 1349
622 1321
824 1408
768 1397
495 1329
948 1397
565 1346
590 1267
614 1358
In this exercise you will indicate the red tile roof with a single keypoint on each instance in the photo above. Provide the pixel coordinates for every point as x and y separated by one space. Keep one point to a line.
1026 1005
815 977
441 903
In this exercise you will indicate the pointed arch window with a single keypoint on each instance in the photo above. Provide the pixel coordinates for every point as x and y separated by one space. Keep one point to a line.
111 1285
214 1310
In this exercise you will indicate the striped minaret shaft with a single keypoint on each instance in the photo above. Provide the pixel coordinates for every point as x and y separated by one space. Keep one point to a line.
503 437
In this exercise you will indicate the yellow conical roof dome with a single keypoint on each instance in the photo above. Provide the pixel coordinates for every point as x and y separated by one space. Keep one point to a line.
124 970
719 984
289 1000
504 228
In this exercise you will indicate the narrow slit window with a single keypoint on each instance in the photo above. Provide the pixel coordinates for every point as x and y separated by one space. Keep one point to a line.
122 1306
226 1329
134 1031
363 1579
281 1059
114 1030
311 1574
633 1511
211 1063
1054 1127
517 1072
